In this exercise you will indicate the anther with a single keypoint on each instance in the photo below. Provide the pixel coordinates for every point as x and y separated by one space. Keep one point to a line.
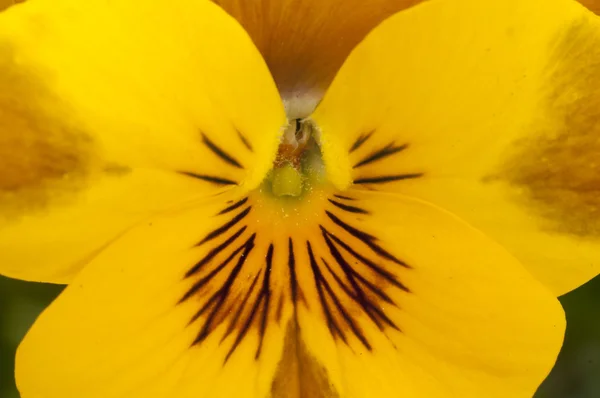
287 178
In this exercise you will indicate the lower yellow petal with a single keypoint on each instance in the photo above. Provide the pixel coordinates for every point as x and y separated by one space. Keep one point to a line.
409 301
492 115
112 111
181 306
328 295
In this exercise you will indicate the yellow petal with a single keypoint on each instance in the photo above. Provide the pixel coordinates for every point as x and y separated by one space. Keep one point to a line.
492 115
228 298
112 111
408 301
175 308
305 42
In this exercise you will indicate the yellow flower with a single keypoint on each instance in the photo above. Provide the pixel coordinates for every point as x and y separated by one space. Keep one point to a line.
216 247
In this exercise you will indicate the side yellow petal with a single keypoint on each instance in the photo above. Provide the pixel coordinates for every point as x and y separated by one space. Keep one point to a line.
492 115
113 111
409 301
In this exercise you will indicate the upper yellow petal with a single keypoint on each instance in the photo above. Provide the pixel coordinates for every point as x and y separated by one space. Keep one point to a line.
304 42
492 115
593 5
112 111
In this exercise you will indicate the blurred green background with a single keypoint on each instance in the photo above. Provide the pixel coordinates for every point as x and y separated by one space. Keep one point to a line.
576 375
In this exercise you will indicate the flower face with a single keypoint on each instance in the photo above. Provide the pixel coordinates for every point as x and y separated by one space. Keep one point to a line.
407 237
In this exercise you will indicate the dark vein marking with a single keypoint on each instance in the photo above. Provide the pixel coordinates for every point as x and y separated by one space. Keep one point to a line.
359 297
388 276
302 297
232 303
262 295
245 141
367 239
332 325
279 311
386 179
233 206
343 197
380 154
203 281
371 287
225 227
292 268
266 294
361 235
360 141
240 309
220 295
224 156
350 209
343 286
211 254
207 178
369 303
321 283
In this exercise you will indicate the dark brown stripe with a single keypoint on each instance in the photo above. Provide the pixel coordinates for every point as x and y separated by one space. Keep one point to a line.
233 206
249 320
360 141
334 329
220 295
266 293
386 179
240 309
388 276
292 268
344 197
279 310
374 289
245 141
322 283
359 297
370 305
207 178
211 254
203 281
380 154
225 227
363 236
350 209
361 303
367 239
221 153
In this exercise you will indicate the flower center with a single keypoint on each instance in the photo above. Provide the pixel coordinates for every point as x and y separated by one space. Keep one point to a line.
298 165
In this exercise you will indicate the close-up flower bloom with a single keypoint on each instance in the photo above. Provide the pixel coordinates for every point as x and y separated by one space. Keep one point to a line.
298 199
